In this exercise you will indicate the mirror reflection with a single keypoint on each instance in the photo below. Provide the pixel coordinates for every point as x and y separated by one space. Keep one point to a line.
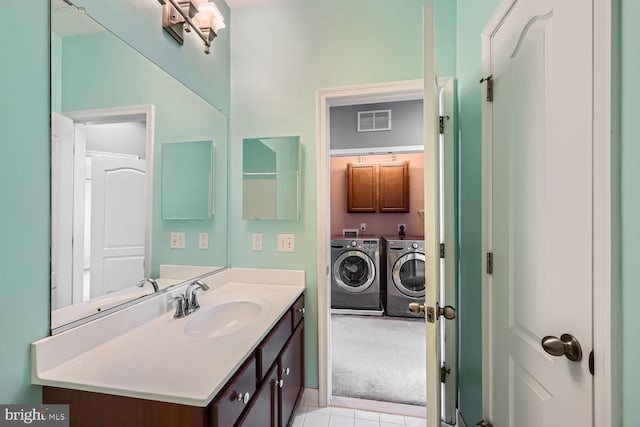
112 112
187 192
271 178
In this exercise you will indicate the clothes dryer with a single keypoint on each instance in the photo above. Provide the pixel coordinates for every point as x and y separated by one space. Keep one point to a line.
355 273
405 274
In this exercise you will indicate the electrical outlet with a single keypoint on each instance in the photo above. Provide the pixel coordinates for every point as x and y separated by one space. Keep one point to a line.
286 243
177 240
363 227
203 240
256 242
402 227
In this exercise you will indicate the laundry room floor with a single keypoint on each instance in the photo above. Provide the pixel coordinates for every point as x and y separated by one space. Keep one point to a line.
379 358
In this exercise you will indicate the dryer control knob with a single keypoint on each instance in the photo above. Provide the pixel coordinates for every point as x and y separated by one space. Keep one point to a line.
354 243
414 245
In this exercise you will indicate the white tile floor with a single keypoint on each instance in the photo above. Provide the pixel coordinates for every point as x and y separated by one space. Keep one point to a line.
311 416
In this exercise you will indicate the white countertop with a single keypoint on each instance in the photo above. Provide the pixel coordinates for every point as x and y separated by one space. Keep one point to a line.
154 358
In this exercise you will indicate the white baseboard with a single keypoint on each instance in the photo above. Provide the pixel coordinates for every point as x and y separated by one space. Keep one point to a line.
310 397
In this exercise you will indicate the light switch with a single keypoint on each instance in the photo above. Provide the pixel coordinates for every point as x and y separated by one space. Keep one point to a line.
256 242
203 240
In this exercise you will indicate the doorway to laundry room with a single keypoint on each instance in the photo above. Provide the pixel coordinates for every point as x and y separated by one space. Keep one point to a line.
376 166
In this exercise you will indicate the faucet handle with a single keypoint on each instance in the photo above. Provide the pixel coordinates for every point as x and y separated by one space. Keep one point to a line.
194 304
180 306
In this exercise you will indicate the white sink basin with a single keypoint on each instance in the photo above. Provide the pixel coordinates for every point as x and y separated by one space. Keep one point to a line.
222 319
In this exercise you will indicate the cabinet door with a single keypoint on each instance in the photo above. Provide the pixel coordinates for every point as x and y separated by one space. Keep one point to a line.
291 372
233 399
362 187
263 411
394 187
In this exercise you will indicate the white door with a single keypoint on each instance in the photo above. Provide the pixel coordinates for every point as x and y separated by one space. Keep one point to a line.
538 158
432 238
61 210
118 203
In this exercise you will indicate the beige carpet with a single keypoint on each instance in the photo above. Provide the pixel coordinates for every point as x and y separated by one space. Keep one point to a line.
378 358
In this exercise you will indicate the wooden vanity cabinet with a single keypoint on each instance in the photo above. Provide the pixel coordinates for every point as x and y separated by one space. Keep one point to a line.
260 375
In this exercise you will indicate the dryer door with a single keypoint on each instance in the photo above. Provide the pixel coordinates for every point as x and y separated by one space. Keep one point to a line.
354 271
408 274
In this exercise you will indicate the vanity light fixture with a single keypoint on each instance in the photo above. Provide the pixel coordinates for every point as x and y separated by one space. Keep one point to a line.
201 16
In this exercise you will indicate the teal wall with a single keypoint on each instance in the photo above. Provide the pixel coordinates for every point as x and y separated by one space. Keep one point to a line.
281 53
24 190
100 71
472 16
139 24
25 163
630 208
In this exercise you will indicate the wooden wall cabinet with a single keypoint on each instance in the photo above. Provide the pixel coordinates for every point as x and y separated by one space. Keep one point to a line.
272 375
380 187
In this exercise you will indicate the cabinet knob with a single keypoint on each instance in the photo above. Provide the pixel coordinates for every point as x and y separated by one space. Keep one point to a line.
301 311
243 398
285 371
280 383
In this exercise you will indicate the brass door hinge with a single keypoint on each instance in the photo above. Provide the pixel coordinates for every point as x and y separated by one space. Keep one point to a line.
489 262
489 81
441 250
444 371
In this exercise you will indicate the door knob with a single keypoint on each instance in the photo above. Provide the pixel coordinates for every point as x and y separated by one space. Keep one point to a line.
447 311
567 345
416 308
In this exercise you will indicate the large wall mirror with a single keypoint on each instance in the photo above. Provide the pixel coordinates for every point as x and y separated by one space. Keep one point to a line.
113 111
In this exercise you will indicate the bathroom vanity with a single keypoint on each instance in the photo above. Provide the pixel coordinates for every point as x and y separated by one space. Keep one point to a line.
237 361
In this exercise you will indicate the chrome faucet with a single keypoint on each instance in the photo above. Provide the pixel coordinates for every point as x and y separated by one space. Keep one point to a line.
190 296
153 282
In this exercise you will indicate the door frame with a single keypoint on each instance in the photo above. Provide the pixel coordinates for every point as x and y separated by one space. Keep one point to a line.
352 95
606 304
119 114
326 98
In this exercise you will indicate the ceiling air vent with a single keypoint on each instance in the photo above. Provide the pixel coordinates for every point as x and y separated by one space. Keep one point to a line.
372 121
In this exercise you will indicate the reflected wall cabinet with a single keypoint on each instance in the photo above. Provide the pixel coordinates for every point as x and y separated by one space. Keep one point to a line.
187 180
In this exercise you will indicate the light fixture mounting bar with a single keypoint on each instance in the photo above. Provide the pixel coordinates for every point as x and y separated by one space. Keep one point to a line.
188 21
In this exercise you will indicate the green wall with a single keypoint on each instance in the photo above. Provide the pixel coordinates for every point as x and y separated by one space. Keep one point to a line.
281 53
630 208
24 189
25 163
472 16
139 24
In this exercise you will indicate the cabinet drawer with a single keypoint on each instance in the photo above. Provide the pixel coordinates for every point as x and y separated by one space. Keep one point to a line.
271 346
297 311
226 407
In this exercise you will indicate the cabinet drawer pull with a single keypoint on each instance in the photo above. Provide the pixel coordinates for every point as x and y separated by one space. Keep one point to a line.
280 383
301 310
243 398
285 371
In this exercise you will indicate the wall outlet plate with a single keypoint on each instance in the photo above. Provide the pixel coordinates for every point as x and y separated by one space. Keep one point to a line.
286 242
404 227
363 227
177 240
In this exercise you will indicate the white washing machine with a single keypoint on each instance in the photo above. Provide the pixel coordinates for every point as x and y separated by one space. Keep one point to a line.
355 273
405 274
